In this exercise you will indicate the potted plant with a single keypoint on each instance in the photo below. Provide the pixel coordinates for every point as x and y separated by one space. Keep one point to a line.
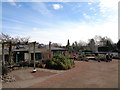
43 64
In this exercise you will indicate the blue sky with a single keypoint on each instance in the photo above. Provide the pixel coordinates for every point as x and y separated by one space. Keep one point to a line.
59 21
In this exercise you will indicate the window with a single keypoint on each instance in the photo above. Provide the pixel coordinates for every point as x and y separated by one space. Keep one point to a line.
38 56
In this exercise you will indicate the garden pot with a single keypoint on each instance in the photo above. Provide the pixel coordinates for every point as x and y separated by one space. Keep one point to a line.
43 65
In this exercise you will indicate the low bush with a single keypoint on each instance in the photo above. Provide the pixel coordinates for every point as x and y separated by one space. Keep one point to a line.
82 57
101 57
116 57
37 63
23 63
59 62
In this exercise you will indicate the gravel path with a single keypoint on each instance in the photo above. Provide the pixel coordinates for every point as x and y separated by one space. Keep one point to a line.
24 77
90 74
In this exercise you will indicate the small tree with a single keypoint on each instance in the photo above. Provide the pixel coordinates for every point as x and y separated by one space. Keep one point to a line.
118 45
56 44
92 45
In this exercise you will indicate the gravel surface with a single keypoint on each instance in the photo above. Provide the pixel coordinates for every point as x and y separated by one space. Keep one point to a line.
90 74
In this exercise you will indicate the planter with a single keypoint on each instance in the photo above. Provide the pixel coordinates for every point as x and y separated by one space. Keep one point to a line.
43 65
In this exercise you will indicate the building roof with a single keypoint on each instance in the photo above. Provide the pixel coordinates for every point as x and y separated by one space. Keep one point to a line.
37 48
55 48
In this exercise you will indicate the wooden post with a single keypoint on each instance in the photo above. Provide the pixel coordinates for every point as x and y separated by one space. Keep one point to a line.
29 54
34 55
10 53
3 56
49 49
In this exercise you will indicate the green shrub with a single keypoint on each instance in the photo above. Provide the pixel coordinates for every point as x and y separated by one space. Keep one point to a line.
37 63
82 57
23 63
59 62
101 57
116 57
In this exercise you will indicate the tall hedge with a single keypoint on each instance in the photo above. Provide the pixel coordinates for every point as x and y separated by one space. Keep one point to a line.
59 62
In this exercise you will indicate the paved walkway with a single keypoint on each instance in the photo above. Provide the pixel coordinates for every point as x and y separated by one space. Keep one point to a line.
90 74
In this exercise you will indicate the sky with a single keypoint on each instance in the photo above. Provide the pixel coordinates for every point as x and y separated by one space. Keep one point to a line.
59 21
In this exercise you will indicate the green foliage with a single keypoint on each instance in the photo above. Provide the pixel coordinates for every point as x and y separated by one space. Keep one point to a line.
86 50
23 63
103 49
59 62
116 57
37 63
101 57
82 57
118 45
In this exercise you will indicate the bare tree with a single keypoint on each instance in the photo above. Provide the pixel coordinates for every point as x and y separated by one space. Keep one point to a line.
102 41
6 37
92 45
56 44
82 43
97 39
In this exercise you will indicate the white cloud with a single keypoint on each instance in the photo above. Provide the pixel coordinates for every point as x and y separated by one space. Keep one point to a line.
41 7
57 6
108 5
92 8
77 31
14 20
13 3
74 31
35 29
109 9
86 16
89 3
